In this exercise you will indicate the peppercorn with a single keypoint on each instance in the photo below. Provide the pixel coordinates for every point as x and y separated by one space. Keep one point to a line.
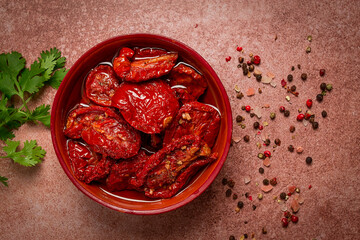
282 109
241 59
272 115
267 142
324 114
260 196
240 204
299 66
304 76
282 196
235 196
251 68
319 97
322 72
294 219
239 118
308 160
245 235
246 138
315 125
291 148
244 66
290 78
266 181
247 108
297 190
287 113
261 156
312 119
260 91
228 192
231 183
273 181
246 194
243 107
292 128
293 88
277 141
329 87
267 154
252 115
240 95
256 125
245 71
309 38
308 49
261 170
264 231
253 207
224 181
231 237
258 77
323 86
292 68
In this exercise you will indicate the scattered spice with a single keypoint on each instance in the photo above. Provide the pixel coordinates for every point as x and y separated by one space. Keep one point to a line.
228 59
256 60
319 97
277 142
304 76
294 219
252 115
266 188
324 114
284 222
323 86
239 49
253 207
272 115
266 162
248 108
322 72
231 183
267 154
299 149
283 195
240 204
309 38
300 117
239 95
235 196
315 125
246 138
308 160
260 196
309 103
239 118
329 87
273 181
256 125
258 77
290 78
287 113
224 181
250 92
231 237
292 128
228 192
261 170
266 181
267 142
282 109
291 148
293 88
308 49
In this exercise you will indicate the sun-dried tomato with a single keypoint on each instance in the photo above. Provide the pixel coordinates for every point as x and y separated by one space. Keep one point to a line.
166 171
122 172
145 69
86 165
101 85
194 118
142 53
148 106
104 130
186 76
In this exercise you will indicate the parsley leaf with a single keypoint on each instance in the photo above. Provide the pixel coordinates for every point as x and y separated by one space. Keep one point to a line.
3 180
11 64
57 77
30 155
41 114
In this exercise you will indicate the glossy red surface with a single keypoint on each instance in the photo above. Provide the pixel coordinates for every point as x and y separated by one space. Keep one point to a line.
69 94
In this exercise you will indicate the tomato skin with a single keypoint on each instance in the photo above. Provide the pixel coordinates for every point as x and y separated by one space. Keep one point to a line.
101 85
86 165
104 130
122 64
148 106
166 171
194 118
193 82
122 172
142 53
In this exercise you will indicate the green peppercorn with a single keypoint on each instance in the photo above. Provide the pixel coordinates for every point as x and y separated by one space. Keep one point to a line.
323 86
287 113
243 126
291 148
277 142
266 181
241 60
251 68
290 78
329 87
240 204
261 170
293 88
304 76
256 125
308 49
297 190
261 156
324 114
224 181
246 138
308 160
315 125
258 77
319 97
267 142
272 115
282 196
228 192
292 128
309 38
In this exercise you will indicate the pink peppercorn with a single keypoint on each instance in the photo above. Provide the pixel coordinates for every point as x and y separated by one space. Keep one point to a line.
256 60
282 109
322 72
261 127
300 117
267 154
239 49
228 58
309 103
247 108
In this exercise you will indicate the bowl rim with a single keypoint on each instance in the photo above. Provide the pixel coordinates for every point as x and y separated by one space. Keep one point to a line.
201 188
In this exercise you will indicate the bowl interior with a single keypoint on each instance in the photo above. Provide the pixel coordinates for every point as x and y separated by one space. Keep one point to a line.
69 94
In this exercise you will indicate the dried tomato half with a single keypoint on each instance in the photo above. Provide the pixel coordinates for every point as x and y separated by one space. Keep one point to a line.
148 106
86 165
104 130
145 69
122 172
194 118
188 77
166 171
101 84
147 52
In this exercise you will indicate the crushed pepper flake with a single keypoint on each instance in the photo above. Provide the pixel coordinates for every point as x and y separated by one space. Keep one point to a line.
266 188
266 105
292 189
257 112
273 84
270 75
250 92
266 79
295 206
266 162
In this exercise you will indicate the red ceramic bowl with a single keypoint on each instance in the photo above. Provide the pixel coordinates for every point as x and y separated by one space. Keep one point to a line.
69 94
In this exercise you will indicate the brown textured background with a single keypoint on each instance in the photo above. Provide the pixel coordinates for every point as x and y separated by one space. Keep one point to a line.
41 202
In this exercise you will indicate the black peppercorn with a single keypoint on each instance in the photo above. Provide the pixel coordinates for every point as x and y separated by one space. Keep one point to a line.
291 148
324 114
251 68
304 76
231 237
258 77
287 113
239 118
292 128
240 95
266 181
299 66
319 97
277 141
308 160
256 125
224 181
315 125
240 204
282 195
228 192
267 142
231 183
246 138
244 66
290 78
253 207
245 71
292 68
261 170
241 60
235 196
293 88
243 108
323 86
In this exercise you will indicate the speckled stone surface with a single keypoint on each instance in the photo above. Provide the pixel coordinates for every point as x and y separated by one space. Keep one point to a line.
41 202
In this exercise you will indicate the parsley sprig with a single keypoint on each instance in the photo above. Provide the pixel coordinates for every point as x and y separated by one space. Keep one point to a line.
17 80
